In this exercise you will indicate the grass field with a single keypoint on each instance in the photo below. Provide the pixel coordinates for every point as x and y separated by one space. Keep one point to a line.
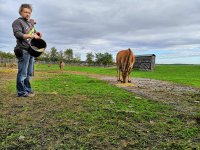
182 74
78 112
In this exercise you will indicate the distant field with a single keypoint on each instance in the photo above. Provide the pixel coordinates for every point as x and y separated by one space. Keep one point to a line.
182 74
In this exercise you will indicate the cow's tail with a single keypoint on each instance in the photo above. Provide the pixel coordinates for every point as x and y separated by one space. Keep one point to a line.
127 60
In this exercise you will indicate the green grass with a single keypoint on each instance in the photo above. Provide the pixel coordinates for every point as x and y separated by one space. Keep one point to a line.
182 74
77 112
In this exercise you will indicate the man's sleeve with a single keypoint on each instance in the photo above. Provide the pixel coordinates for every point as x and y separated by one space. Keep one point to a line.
17 29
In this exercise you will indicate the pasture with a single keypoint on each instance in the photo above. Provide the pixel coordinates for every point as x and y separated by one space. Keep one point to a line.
182 74
78 111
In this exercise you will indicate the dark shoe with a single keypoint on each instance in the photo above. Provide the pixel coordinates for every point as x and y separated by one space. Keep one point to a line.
31 94
26 95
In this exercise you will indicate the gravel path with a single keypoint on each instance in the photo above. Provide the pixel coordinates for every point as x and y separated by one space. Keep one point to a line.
185 99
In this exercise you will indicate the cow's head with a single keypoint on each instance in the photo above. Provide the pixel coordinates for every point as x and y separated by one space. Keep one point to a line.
124 76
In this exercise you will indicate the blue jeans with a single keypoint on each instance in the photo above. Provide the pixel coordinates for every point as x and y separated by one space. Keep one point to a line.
25 71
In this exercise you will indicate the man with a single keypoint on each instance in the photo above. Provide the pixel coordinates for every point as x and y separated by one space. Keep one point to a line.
24 31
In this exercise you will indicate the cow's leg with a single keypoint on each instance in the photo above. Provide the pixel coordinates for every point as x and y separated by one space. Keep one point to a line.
129 80
120 76
117 73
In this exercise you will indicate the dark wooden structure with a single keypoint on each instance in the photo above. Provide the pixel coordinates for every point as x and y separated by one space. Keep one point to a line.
145 62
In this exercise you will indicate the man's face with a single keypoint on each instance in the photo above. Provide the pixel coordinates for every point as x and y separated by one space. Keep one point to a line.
26 13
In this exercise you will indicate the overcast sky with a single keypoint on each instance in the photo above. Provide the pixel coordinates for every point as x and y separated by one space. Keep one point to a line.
168 28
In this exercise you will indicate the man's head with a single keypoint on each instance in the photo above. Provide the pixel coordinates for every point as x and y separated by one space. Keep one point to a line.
25 11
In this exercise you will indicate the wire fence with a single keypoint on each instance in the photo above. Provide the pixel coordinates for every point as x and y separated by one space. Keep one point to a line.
80 63
8 62
143 62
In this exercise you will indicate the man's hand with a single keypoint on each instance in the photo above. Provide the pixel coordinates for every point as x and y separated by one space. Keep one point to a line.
39 34
36 36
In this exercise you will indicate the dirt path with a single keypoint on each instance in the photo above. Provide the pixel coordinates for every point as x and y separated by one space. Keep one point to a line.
185 99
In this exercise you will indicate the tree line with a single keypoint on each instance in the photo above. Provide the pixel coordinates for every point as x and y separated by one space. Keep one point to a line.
68 56
6 55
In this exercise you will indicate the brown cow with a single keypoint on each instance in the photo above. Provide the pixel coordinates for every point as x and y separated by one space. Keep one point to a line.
125 60
61 64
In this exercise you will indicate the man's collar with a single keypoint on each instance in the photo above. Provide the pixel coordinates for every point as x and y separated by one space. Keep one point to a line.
23 19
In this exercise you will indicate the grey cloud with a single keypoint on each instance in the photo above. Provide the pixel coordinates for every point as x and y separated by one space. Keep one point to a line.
112 25
118 20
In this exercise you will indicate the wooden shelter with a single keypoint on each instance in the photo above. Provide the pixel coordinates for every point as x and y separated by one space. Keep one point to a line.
145 62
